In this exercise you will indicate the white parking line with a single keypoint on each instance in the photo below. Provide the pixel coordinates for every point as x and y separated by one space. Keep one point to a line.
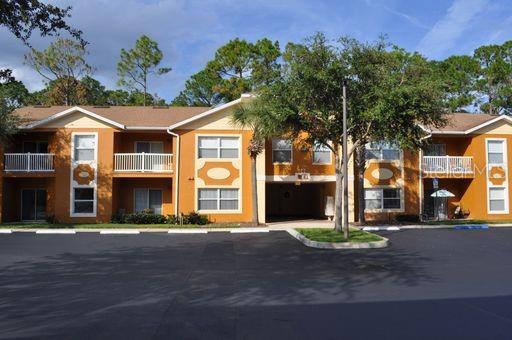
249 230
371 229
57 231
119 232
187 231
5 231
381 228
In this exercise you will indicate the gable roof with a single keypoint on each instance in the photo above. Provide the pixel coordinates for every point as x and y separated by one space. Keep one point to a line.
242 98
123 117
466 123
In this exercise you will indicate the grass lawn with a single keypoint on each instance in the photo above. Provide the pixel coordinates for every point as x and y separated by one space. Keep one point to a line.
112 226
329 235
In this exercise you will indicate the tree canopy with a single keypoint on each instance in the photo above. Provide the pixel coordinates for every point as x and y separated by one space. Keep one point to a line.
389 90
238 67
62 64
138 64
22 17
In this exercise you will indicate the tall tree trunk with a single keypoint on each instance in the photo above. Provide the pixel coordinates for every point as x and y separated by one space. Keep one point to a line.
254 184
145 88
361 166
337 195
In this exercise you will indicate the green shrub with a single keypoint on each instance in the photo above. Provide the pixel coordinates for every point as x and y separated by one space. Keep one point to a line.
148 217
195 218
407 218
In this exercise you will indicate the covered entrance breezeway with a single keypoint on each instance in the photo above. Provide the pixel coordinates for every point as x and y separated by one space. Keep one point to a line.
297 201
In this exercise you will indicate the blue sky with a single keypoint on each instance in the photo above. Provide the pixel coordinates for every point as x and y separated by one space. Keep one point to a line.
190 31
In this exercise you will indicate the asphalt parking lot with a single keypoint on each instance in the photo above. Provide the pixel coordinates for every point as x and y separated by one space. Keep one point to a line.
428 284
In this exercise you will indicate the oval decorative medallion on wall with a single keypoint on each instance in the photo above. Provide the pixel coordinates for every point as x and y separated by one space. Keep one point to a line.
382 173
497 175
83 174
218 173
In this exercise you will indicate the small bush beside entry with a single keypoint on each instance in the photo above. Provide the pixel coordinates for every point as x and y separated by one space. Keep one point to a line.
407 218
148 217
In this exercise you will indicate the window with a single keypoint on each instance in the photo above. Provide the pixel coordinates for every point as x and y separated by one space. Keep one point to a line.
84 147
149 147
281 150
497 199
382 151
495 151
35 147
218 147
435 150
148 199
376 199
217 199
321 154
83 201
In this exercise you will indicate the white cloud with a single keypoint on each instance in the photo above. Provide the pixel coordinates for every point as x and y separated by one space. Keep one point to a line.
458 18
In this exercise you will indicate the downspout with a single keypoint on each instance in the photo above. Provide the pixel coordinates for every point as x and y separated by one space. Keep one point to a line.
177 185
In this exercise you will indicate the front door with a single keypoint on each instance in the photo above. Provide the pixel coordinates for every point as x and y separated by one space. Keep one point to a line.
33 204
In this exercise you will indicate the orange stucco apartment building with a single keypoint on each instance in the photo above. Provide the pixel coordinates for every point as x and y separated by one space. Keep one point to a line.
83 164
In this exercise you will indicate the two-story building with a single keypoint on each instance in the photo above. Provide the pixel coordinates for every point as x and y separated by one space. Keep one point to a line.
83 164
467 159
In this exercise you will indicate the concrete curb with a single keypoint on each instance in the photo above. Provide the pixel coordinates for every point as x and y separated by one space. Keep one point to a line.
335 245
5 231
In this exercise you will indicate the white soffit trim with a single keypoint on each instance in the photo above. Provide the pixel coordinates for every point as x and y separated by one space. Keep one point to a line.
70 111
210 112
475 128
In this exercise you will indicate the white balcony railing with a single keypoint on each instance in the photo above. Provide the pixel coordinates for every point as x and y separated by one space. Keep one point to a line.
28 162
143 162
448 164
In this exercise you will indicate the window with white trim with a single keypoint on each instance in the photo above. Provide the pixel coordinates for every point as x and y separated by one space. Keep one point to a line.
84 148
497 199
382 151
321 154
281 150
217 199
149 147
218 147
148 199
495 150
382 198
83 200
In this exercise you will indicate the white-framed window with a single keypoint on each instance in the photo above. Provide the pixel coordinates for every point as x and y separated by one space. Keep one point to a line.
281 150
497 200
83 201
495 151
84 147
218 147
382 198
217 199
321 154
149 147
382 151
146 198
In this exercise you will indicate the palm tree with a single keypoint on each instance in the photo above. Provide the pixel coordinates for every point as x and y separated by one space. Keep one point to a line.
254 117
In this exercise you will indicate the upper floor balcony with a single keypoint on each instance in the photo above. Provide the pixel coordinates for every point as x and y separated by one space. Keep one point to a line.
143 162
29 162
448 166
